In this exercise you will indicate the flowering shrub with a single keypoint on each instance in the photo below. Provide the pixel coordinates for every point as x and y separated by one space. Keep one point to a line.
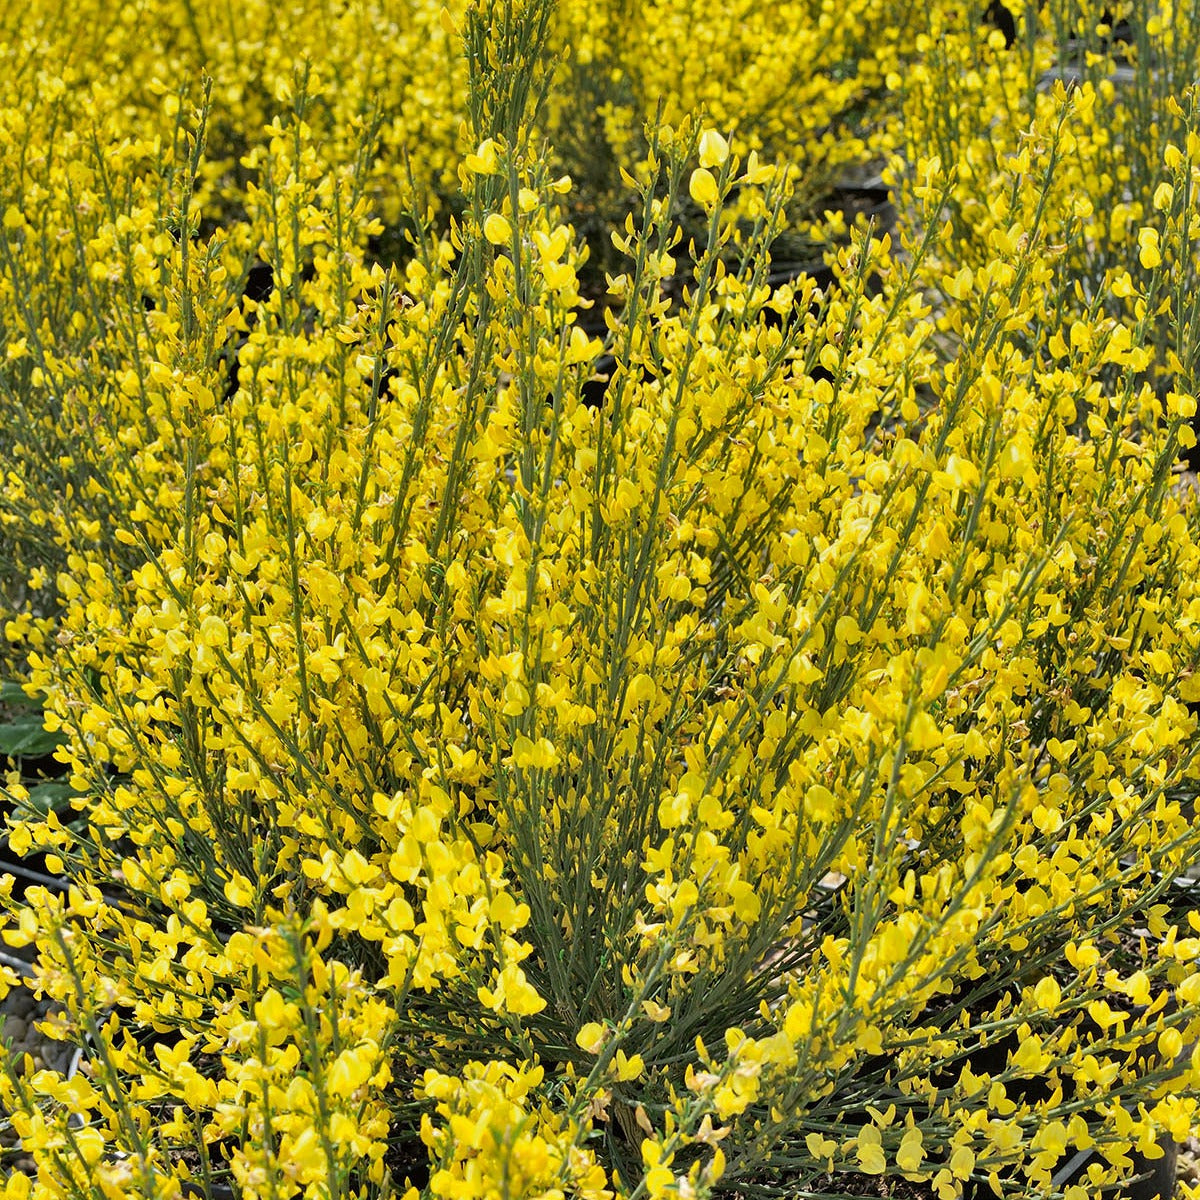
1119 178
800 83
388 80
383 91
746 752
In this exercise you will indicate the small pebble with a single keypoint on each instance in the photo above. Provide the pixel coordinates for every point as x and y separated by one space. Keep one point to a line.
58 1055
21 1003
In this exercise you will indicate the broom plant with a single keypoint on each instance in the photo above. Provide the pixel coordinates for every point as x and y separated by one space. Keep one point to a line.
747 751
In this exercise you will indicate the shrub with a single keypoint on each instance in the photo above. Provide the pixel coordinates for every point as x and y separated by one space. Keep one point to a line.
770 773
95 132
801 84
971 102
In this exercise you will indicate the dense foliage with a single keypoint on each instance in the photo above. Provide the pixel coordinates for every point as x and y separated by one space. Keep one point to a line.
554 706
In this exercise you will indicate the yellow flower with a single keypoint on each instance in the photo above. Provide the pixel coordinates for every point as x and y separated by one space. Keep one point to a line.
702 187
591 1037
213 632
628 1067
911 1151
351 1069
714 149
484 159
1148 248
497 230
869 1150
1047 993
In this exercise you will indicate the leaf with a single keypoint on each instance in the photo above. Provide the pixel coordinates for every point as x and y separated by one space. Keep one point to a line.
53 794
15 696
26 737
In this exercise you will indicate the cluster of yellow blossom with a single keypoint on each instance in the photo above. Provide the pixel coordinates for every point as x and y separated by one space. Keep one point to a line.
738 747
1115 178
802 83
